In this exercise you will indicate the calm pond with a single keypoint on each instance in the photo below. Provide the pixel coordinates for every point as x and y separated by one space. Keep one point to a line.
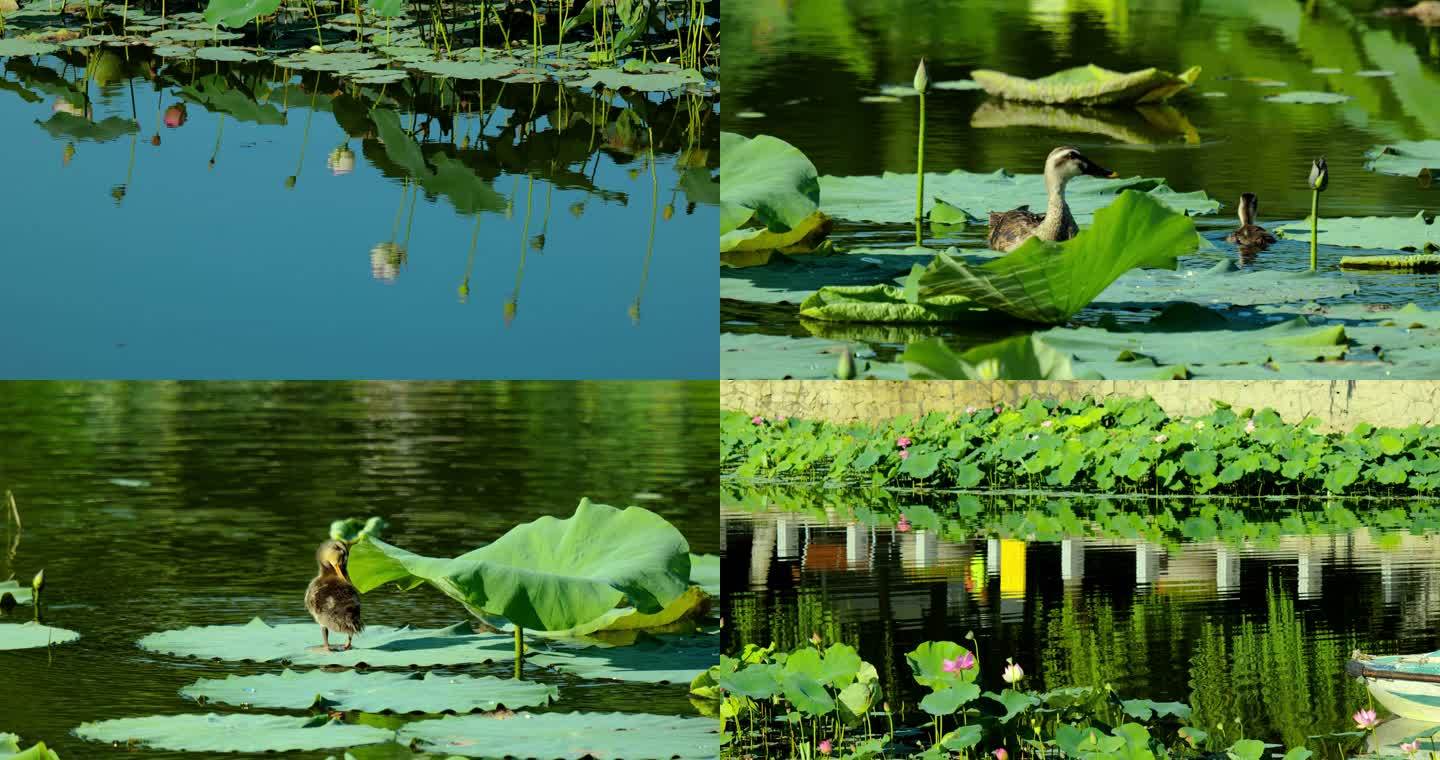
812 73
158 506
1244 610
191 218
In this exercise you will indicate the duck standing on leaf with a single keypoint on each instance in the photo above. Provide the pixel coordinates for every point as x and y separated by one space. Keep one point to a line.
332 599
1008 229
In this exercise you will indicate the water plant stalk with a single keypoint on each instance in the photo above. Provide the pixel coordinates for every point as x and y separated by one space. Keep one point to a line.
1319 180
922 84
519 652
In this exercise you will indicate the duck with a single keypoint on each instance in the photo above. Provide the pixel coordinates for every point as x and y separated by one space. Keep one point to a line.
1249 235
332 599
1008 229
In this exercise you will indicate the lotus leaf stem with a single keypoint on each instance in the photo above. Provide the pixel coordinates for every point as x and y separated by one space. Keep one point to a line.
920 175
519 651
1314 229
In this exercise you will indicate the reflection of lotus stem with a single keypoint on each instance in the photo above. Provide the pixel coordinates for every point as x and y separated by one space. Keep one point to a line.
649 244
305 138
519 650
1314 228
920 174
470 260
219 131
319 36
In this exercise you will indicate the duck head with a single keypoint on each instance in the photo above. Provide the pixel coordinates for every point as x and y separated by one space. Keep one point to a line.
1066 162
334 557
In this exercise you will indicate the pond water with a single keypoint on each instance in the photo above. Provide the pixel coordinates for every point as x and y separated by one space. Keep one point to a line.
1243 610
190 218
1222 138
158 506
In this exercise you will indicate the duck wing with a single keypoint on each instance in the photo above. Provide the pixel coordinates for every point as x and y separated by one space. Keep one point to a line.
1010 228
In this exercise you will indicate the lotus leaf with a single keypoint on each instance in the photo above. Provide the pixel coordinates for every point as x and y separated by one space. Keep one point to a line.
174 51
770 357
450 177
1224 284
1048 282
31 635
890 198
237 13
1405 159
549 574
705 573
21 46
686 606
81 42
231 733
570 736
767 180
1422 263
67 125
1395 232
1308 97
801 238
352 529
662 77
464 69
1088 85
885 303
667 659
1023 356
21 593
332 61
231 54
372 692
789 280
377 646
194 35
10 749
378 76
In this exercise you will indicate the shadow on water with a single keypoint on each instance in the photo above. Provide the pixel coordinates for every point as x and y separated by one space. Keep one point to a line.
1245 609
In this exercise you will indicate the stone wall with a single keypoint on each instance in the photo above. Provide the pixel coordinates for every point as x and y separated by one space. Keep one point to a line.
1339 404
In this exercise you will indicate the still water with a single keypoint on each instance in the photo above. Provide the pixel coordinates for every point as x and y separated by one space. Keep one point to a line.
210 220
1222 137
159 506
1244 611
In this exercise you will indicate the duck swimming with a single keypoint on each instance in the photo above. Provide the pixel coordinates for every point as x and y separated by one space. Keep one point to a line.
1249 236
333 601
1008 229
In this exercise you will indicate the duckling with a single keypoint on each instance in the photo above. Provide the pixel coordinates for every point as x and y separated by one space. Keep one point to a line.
332 600
1009 229
1249 235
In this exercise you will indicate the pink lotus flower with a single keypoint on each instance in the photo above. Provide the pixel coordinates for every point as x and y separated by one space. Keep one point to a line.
1365 719
969 410
175 115
781 418
825 747
1250 426
903 441
1410 747
998 408
1000 753
951 666
903 525
904 453
963 662
1013 673
757 420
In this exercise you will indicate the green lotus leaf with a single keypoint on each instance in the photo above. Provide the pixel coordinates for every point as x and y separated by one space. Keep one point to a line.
890 198
374 692
927 663
377 76
801 238
332 61
230 54
656 659
222 94
705 573
10 749
657 77
377 645
1048 282
1088 85
20 46
767 180
81 42
549 574
1394 232
1405 158
785 279
352 529
568 736
1308 97
238 13
1421 263
22 594
1224 284
62 125
1022 356
231 733
770 357
885 303
194 35
465 69
32 635
174 51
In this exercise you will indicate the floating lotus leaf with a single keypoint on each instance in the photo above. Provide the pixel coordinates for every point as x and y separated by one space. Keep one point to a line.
20 46
1423 263
82 42
773 357
890 198
174 51
1308 97
1405 159
21 593
569 736
801 238
549 574
767 180
705 573
31 635
64 125
194 35
237 13
231 733
377 76
1088 85
465 69
660 77
956 84
230 54
340 62
885 303
655 660
377 645
1394 232
1023 356
374 692
407 53
1224 285
785 279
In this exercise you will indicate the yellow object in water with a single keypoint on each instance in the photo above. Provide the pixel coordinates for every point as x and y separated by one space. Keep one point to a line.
1012 569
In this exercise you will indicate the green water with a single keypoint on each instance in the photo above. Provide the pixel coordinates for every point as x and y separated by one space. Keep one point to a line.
159 506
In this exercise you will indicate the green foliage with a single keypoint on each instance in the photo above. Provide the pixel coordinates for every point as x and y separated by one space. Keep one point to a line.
567 736
1088 85
33 635
377 645
1405 158
238 13
372 692
767 180
231 733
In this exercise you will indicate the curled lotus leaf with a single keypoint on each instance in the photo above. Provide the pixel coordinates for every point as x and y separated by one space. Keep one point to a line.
372 692
568 736
1088 85
232 733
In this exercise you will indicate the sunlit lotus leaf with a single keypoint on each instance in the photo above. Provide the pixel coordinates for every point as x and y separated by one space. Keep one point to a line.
767 180
773 357
377 76
660 77
890 198
538 576
21 593
21 46
377 645
1308 97
331 61
569 736
1224 285
786 279
231 733
69 126
372 692
237 13
174 51
626 618
1393 232
886 303
1405 159
10 749
407 53
231 54
81 42
386 8
194 35
464 69
1422 263
665 659
705 573
801 238
1088 85
31 635
1023 356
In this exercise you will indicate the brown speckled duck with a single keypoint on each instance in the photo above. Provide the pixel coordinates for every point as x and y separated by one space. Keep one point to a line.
1249 235
1008 229
333 601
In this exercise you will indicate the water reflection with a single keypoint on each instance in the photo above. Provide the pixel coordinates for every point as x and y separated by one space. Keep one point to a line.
1245 611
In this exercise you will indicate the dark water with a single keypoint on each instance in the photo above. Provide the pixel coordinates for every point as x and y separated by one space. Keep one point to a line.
243 481
1253 623
1222 145
279 238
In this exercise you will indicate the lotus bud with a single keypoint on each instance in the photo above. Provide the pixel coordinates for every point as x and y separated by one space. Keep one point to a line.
1319 175
846 370
634 312
510 308
175 115
118 193
38 582
341 161
577 209
290 181
922 80
67 154
668 212
464 290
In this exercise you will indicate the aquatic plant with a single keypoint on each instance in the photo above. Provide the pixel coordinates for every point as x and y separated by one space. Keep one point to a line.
922 85
1088 85
10 745
1319 180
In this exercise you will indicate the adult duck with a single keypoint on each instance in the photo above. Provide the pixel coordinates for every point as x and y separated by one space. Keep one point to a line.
1008 229
1250 236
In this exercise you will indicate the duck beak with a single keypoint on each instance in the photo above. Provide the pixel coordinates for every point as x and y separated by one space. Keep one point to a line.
343 573
1096 170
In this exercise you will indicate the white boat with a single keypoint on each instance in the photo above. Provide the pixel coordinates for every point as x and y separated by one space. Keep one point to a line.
1406 684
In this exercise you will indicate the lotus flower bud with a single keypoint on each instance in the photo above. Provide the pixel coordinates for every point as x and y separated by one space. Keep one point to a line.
341 161
1319 175
922 80
38 582
668 212
175 115
290 181
155 139
67 154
